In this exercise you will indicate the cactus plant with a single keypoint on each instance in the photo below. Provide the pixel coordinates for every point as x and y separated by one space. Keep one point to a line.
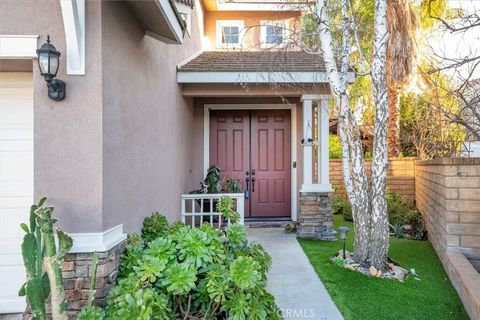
40 253
91 312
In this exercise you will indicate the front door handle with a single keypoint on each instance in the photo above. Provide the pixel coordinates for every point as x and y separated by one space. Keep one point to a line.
247 190
253 184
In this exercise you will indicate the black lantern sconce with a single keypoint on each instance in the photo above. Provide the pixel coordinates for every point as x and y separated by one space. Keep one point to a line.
343 235
48 62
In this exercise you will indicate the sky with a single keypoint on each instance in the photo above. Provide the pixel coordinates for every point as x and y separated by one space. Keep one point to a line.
460 44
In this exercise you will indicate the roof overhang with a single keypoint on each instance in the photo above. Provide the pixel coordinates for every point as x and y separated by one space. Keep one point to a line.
225 90
255 77
159 18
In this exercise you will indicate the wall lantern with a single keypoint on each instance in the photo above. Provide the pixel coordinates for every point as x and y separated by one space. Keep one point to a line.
48 62
343 235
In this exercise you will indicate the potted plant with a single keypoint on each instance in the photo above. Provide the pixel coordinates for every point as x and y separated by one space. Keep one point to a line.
232 185
213 183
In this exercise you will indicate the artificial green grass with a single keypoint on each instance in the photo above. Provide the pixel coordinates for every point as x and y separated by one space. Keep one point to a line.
360 297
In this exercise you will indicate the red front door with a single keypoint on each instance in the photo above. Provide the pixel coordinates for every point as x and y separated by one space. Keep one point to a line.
255 145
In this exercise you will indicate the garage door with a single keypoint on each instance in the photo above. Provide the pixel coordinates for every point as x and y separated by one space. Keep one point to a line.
16 182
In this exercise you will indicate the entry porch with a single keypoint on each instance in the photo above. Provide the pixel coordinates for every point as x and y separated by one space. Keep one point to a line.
271 135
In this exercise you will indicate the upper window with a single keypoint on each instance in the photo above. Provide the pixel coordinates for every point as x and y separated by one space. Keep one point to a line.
273 33
229 33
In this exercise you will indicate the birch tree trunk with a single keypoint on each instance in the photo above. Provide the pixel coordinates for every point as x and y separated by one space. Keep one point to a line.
355 175
368 202
379 232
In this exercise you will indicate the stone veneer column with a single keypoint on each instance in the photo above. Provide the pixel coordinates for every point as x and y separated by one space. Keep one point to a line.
316 216
76 271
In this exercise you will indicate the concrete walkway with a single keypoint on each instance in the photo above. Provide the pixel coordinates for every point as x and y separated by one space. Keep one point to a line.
297 289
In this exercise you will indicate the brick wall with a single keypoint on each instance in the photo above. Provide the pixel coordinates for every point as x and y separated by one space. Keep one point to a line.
448 196
400 179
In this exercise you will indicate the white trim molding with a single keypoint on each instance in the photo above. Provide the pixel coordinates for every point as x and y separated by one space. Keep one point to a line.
206 139
264 24
220 24
316 188
323 156
315 97
270 106
18 46
252 77
100 241
73 13
249 106
260 6
171 18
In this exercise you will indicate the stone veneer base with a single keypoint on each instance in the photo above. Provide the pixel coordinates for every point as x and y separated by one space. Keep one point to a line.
76 270
316 216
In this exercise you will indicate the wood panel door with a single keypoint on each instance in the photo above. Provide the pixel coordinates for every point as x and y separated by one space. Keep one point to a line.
255 145
270 161
229 144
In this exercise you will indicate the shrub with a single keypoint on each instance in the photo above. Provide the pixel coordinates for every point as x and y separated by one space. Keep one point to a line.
225 206
232 185
404 218
193 273
335 147
343 207
154 226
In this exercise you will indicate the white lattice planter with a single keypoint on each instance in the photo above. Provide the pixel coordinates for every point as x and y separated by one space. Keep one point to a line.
201 208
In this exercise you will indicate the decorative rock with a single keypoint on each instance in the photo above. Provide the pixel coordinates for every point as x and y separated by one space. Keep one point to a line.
398 276
399 269
373 271
396 272
350 267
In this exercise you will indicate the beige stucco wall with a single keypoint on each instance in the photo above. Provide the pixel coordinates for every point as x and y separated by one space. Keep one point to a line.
125 141
252 21
68 134
120 145
147 140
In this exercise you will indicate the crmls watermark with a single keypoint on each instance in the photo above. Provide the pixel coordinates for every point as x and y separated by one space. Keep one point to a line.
297 313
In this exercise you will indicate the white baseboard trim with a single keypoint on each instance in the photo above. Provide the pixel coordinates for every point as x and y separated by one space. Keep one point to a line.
100 242
316 188
18 46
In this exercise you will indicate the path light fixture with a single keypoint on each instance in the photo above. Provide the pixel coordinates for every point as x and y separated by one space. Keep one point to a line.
343 235
48 62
